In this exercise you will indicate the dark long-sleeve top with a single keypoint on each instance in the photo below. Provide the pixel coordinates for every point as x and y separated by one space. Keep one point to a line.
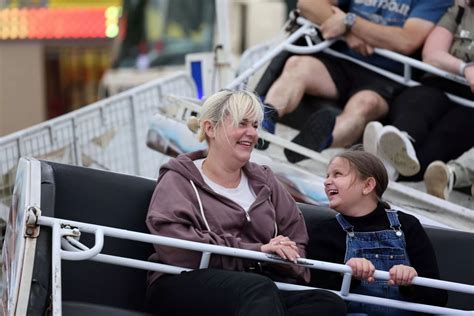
328 243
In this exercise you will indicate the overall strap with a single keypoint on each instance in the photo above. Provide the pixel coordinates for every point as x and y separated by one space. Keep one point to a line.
394 221
460 14
346 226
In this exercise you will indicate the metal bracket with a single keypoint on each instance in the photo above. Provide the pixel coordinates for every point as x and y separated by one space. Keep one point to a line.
70 231
32 215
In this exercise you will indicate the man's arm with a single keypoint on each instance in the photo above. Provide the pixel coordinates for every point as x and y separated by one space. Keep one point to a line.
405 40
317 11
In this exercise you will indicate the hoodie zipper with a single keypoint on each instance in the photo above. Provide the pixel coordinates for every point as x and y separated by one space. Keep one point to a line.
247 216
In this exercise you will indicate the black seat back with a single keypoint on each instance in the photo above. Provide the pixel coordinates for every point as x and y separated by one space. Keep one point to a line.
101 198
121 201
454 252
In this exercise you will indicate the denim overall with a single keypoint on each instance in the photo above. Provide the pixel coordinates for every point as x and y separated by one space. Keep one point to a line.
384 249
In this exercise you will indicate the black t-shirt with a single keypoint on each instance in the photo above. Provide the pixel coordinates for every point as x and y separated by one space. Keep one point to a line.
328 243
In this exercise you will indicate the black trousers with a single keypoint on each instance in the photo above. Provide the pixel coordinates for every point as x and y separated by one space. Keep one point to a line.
221 293
441 129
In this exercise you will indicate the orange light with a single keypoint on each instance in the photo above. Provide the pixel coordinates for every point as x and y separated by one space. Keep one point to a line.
43 23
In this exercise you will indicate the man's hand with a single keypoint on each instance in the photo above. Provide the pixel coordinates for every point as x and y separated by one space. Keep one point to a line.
358 45
334 26
362 269
401 275
469 75
282 246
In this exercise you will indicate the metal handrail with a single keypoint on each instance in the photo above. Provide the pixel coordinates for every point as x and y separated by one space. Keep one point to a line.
307 29
207 249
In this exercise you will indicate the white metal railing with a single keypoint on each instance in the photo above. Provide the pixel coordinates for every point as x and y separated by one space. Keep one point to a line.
307 30
109 134
446 212
77 251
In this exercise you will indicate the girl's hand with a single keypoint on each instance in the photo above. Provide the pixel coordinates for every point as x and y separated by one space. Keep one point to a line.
282 246
362 269
401 275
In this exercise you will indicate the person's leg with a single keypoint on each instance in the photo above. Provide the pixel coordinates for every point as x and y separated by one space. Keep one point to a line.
464 169
315 134
450 138
417 110
362 107
313 302
301 74
215 292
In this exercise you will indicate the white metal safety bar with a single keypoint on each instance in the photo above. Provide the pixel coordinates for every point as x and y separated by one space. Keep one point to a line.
307 29
77 251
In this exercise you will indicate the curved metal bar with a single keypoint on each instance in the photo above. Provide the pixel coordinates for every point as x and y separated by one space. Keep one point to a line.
86 254
308 49
275 51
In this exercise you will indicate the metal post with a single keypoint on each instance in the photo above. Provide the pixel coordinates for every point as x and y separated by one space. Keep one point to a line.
56 267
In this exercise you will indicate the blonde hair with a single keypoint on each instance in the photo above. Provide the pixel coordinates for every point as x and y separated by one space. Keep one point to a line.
239 105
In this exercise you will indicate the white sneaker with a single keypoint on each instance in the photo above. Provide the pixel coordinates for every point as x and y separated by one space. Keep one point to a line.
371 136
439 179
399 150
370 140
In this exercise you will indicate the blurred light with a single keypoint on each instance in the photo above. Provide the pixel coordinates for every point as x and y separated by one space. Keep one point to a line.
112 31
44 23
112 13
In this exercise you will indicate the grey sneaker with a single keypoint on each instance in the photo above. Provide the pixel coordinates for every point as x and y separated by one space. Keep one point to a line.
439 179
398 148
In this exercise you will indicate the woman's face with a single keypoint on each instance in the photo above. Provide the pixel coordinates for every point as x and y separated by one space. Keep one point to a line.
343 186
236 142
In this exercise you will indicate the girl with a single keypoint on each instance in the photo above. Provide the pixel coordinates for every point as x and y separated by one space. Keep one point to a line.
368 235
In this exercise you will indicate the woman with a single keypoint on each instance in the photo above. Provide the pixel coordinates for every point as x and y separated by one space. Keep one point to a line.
221 198
441 130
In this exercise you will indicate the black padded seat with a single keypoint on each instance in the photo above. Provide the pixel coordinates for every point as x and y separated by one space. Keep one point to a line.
103 198
121 201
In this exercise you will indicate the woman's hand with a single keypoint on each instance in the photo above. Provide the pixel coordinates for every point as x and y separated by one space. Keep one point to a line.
401 275
362 269
282 246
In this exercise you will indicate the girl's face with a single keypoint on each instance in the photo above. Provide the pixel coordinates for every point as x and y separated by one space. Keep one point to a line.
236 143
343 186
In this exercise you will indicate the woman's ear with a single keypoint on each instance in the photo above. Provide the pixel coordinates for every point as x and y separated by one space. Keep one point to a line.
209 129
370 184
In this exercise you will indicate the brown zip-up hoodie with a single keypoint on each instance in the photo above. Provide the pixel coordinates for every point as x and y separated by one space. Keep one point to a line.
174 212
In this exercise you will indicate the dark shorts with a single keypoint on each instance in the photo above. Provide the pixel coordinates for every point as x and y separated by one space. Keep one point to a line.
351 78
